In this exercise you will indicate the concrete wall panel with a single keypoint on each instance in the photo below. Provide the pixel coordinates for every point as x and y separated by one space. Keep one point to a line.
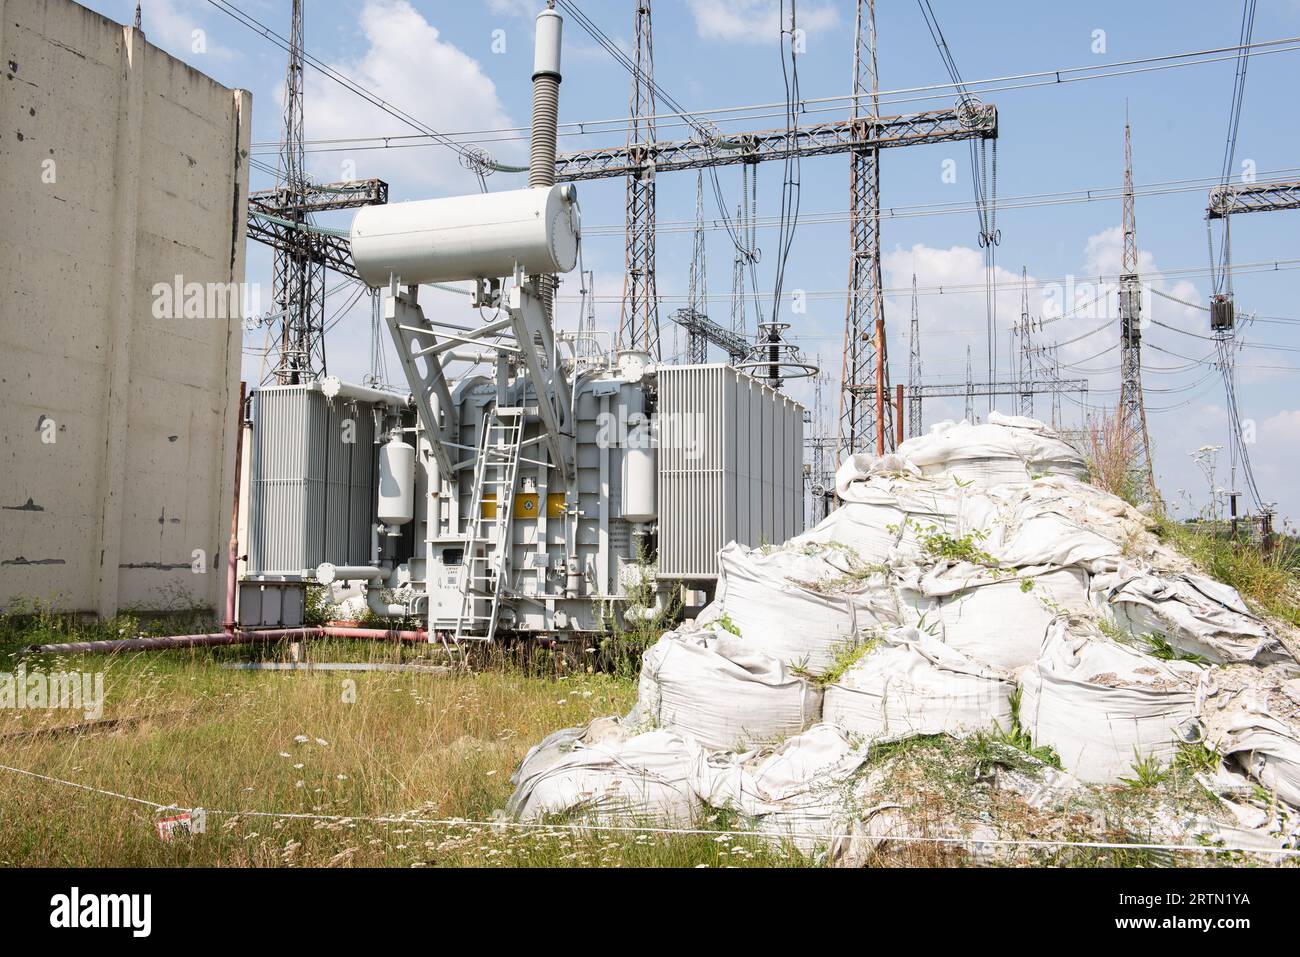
149 181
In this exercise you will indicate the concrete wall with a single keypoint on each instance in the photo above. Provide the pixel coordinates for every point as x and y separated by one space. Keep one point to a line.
120 168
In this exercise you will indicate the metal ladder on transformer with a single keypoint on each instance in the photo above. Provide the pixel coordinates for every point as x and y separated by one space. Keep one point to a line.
488 538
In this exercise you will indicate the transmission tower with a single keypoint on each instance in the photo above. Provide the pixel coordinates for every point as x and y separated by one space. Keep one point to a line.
1056 393
914 369
299 284
1024 330
587 315
1132 409
864 399
970 390
697 346
746 242
822 473
638 325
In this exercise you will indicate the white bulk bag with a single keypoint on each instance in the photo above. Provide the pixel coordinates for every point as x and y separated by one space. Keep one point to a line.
915 684
1063 521
1193 613
997 618
604 772
1005 449
768 598
1268 750
1102 705
723 692
800 791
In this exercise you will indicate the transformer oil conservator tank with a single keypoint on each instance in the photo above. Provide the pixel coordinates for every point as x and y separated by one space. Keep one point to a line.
468 237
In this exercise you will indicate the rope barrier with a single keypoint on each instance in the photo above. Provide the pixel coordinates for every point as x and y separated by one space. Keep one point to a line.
666 831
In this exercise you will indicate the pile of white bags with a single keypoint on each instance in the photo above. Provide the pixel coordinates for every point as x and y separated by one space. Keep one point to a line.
722 692
604 772
800 791
1103 706
997 618
915 684
1005 449
971 560
1267 750
1193 613
799 604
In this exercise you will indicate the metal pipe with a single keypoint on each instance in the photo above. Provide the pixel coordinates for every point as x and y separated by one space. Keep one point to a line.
333 387
325 573
375 602
174 642
375 634
232 559
898 416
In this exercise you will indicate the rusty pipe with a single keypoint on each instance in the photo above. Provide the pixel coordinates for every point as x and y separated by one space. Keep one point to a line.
237 637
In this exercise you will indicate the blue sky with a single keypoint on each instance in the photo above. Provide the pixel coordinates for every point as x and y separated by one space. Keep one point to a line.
436 60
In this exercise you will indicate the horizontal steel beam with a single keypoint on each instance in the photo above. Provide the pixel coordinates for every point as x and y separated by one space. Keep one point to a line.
321 197
734 344
1252 198
334 252
980 121
1036 387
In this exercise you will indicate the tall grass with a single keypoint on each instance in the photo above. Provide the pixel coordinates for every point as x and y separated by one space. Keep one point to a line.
1269 579
1110 448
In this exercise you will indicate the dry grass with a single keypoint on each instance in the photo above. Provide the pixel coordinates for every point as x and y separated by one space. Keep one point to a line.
180 729
1110 447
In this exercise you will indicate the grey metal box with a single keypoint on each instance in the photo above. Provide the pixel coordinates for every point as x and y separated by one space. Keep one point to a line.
730 466
312 491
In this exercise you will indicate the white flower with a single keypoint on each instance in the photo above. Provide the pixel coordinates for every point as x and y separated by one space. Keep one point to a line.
300 739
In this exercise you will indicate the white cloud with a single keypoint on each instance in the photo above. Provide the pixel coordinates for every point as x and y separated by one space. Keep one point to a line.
755 21
178 27
515 8
409 65
1181 419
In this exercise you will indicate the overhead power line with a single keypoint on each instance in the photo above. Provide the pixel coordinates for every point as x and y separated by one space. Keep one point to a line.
810 106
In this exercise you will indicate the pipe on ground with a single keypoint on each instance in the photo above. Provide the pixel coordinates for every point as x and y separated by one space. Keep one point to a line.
173 642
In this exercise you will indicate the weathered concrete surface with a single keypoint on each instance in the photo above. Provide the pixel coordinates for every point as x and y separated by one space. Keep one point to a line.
120 168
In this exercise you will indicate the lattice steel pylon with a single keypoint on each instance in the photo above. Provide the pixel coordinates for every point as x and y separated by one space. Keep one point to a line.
1024 332
638 325
299 283
914 369
970 390
865 394
697 345
1132 409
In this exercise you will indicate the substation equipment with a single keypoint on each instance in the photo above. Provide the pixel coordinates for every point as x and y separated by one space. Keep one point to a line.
530 483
